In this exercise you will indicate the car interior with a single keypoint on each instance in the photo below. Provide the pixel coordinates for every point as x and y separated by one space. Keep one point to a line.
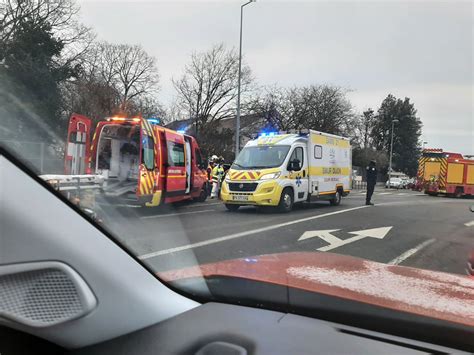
69 288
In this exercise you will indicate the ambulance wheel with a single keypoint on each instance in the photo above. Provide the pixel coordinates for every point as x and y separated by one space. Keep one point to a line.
203 195
286 200
231 207
336 200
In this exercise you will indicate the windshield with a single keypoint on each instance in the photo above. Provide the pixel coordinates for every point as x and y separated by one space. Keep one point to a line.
260 157
156 126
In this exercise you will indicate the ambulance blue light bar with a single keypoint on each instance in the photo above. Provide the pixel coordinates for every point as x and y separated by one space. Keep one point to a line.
153 120
181 131
268 134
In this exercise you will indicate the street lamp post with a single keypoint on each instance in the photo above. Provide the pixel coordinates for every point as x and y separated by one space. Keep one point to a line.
237 121
391 152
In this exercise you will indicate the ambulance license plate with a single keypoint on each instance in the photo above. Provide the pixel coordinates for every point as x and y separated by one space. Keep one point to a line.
240 198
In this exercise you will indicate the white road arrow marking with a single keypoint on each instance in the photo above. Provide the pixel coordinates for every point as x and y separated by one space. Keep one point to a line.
378 233
469 224
323 234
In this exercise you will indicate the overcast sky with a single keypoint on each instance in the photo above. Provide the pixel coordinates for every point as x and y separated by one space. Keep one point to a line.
422 50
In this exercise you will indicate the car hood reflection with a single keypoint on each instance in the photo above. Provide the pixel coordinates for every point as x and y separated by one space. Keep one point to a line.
432 294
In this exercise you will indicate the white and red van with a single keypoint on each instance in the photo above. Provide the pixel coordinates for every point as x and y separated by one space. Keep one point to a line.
140 161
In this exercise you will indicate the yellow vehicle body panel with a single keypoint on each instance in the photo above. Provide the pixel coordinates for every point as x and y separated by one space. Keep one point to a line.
329 140
470 175
455 173
432 170
267 194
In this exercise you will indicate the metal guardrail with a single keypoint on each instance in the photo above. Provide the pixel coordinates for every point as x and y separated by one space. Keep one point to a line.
359 185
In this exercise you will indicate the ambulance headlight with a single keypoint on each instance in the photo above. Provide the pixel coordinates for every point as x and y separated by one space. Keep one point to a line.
270 176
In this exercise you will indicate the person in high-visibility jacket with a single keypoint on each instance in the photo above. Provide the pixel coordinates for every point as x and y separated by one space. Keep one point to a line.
216 178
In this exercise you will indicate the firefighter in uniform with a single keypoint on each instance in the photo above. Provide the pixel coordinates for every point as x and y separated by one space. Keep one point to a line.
216 178
371 181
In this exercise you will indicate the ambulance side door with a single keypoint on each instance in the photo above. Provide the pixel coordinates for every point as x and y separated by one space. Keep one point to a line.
176 167
299 172
78 145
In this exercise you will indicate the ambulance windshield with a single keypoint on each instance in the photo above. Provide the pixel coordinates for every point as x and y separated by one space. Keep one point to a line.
261 157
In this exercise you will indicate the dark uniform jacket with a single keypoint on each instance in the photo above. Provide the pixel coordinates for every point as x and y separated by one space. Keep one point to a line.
371 175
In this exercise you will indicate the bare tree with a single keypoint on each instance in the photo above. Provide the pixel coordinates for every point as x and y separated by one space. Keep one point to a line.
328 109
136 73
208 88
116 78
319 107
283 109
362 129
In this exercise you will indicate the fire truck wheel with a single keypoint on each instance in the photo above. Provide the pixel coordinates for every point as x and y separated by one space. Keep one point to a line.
203 195
231 207
286 200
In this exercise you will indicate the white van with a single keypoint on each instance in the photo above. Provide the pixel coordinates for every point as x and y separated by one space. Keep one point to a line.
282 169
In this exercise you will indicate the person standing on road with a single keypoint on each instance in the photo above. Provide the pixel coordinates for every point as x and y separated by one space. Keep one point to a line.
216 176
210 166
371 181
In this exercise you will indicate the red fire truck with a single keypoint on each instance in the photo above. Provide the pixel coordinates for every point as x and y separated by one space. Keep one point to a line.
139 160
447 173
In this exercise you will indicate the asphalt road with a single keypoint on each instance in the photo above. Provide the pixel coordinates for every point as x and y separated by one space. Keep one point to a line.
404 227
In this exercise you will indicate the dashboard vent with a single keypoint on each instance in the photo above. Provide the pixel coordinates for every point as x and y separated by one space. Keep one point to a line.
43 296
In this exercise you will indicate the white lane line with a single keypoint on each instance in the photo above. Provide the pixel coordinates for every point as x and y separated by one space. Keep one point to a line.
243 234
204 205
420 195
410 252
469 224
385 193
174 214
402 194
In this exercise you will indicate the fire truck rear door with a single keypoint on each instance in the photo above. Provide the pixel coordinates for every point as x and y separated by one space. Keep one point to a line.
148 166
188 159
78 145
432 170
176 169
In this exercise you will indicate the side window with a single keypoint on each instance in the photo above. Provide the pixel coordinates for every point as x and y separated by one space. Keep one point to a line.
175 154
318 152
298 155
199 160
148 152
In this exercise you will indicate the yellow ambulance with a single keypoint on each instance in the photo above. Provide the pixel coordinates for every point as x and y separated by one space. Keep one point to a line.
283 169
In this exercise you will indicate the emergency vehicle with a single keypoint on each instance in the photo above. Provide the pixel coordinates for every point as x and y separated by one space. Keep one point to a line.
447 173
282 169
139 160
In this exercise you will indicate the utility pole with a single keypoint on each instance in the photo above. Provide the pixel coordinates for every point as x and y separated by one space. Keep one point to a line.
237 121
391 152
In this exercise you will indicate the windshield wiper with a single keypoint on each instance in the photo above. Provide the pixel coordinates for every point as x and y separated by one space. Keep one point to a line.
258 167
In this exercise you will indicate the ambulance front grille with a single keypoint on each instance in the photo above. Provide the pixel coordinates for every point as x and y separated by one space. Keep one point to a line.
243 186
